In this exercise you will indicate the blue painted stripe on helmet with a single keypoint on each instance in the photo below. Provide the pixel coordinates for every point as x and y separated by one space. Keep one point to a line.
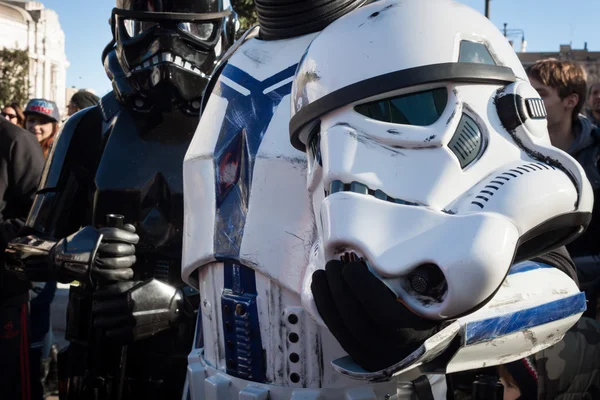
492 328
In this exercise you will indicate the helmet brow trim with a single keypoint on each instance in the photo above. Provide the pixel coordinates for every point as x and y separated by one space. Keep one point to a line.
161 16
455 72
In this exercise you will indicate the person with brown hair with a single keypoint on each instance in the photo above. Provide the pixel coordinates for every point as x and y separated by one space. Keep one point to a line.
563 87
14 113
42 119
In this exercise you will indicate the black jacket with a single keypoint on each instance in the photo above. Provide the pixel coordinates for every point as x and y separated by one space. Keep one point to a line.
586 150
21 164
570 370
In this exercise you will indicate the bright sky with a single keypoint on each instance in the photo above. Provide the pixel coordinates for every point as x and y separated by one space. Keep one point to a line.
87 32
547 24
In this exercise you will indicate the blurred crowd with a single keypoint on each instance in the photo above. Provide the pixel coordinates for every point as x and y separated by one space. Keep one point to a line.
42 117
569 370
26 137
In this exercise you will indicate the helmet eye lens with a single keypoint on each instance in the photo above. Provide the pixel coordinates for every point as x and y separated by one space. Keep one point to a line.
201 31
419 109
135 27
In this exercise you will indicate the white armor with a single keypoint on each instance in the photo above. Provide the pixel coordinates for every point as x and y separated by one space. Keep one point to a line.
278 234
251 243
452 160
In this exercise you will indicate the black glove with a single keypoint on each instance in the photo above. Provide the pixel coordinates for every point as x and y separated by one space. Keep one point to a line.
135 310
366 318
116 254
87 257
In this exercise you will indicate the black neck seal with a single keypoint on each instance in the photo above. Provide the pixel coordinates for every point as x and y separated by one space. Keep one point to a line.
283 19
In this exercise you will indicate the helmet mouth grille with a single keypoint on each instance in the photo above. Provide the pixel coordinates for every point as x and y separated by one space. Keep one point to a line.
467 142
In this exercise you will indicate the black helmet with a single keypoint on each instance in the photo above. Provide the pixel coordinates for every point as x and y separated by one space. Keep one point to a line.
166 50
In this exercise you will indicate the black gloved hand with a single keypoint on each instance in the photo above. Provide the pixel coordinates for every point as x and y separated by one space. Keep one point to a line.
135 310
93 255
116 254
372 326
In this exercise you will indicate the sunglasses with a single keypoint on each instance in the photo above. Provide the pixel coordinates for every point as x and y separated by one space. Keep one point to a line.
10 116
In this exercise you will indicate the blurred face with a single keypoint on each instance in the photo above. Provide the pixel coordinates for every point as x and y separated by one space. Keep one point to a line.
511 392
556 107
72 108
39 125
594 98
10 115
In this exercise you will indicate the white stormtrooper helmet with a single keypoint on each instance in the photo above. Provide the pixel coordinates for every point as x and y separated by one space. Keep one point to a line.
429 154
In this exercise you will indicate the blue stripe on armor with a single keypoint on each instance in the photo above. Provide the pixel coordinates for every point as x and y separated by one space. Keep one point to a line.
246 121
243 346
527 266
489 329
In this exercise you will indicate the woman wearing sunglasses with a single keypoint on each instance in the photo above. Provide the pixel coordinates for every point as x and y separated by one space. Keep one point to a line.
14 114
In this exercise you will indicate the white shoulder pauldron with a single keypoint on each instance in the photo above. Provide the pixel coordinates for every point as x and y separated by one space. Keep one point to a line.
245 197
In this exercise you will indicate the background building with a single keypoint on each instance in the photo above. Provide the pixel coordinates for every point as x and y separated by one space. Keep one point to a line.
28 25
589 59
